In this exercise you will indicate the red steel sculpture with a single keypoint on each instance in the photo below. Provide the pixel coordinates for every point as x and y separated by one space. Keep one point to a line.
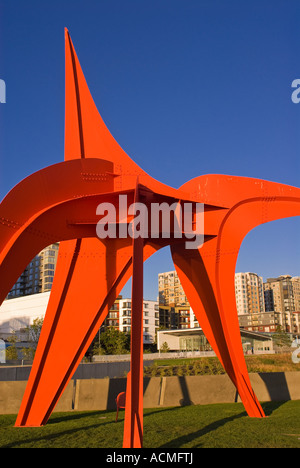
59 203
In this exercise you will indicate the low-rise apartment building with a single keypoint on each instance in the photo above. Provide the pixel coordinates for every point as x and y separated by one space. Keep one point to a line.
119 317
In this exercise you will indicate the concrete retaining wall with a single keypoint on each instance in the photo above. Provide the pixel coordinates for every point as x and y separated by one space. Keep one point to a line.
84 371
100 394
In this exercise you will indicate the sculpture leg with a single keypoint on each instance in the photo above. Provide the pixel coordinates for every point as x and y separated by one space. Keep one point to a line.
133 426
207 275
197 275
76 310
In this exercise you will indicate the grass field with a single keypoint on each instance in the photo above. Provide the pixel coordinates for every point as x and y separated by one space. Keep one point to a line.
211 426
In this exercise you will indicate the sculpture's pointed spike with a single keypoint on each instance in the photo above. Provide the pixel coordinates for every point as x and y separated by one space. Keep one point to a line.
86 135
74 141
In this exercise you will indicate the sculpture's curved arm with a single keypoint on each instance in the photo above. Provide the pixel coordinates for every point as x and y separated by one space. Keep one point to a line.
207 275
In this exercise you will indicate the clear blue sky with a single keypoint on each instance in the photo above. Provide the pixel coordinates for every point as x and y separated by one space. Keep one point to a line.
186 87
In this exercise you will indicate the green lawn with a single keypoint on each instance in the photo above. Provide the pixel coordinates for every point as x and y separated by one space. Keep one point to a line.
211 426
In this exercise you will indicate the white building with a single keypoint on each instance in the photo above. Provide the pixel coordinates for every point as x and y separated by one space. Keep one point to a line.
193 319
194 340
120 317
17 314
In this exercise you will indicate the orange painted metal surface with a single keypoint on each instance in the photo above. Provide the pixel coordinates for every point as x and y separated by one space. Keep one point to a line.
91 272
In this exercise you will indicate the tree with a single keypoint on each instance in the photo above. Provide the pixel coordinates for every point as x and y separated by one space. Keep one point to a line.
281 339
98 350
164 348
34 332
11 351
114 341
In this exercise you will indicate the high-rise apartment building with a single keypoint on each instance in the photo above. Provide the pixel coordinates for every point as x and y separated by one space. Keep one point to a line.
48 261
265 306
250 303
39 274
261 306
29 281
282 296
170 291
249 293
174 308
